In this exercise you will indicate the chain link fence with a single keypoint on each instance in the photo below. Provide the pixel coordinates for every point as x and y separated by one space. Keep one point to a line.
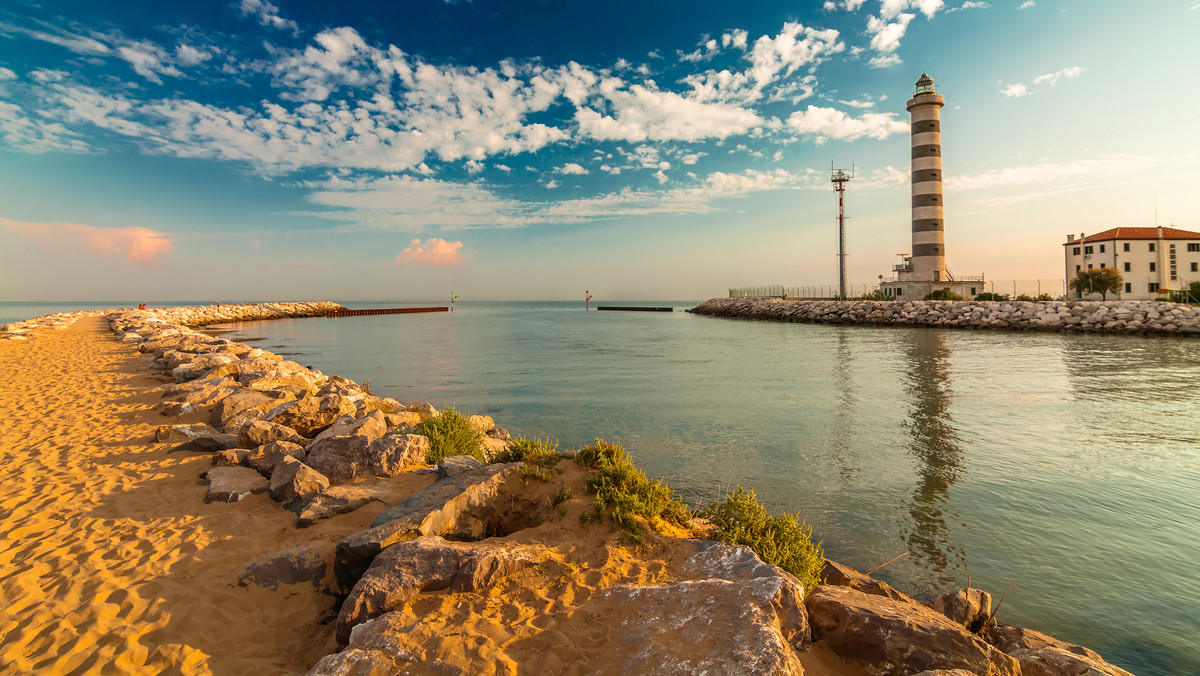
1012 288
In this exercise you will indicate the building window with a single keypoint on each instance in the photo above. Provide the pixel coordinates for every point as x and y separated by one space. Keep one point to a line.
1151 246
1087 249
1128 285
1089 266
1153 287
1076 268
1102 266
1153 267
1101 248
1193 246
1127 268
1075 251
1126 246
1195 267
972 291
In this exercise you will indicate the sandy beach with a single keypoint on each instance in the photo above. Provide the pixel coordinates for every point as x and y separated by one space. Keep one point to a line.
110 561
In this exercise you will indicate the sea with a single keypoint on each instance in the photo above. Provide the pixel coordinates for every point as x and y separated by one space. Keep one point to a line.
1058 471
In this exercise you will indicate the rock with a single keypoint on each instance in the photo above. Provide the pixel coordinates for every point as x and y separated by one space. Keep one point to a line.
245 405
968 607
218 442
166 433
945 672
889 636
463 507
739 564
371 426
293 481
1042 655
354 662
299 564
264 458
311 415
261 432
336 500
402 419
845 576
454 465
483 423
705 626
500 434
174 409
391 453
233 484
426 564
230 457
425 410
339 458
490 447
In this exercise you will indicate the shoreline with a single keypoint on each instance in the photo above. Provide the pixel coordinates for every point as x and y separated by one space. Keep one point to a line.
192 360
1146 318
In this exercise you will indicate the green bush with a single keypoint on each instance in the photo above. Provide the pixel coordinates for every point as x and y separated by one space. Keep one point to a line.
624 492
533 451
784 541
450 433
943 294
988 295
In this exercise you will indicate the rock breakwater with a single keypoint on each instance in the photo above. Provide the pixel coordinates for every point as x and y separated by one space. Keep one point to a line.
1121 317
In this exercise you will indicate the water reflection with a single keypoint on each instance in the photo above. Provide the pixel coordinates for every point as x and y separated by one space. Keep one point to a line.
845 423
935 446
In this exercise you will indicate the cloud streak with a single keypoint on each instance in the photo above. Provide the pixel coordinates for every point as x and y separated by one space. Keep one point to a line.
132 243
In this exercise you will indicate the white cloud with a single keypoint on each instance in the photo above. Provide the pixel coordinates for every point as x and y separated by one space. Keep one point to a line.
434 251
1030 3
78 44
570 168
691 158
267 15
970 4
1015 91
35 136
148 60
886 35
1054 77
770 58
827 123
890 9
6 74
552 184
187 55
645 113
661 176
408 203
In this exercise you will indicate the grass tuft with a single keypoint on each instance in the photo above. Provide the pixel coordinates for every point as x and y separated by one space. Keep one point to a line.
531 451
450 433
625 493
784 540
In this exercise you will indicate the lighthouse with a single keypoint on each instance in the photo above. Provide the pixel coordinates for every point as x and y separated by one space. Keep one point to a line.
928 228
923 272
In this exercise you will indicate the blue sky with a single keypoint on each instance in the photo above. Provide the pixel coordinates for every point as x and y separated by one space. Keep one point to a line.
401 150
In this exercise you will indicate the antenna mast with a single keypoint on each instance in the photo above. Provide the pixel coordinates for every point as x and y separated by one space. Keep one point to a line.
839 178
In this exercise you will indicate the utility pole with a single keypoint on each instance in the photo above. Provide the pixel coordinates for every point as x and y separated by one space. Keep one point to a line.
839 178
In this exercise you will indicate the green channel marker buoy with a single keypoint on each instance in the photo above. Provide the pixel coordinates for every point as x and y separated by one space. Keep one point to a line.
452 299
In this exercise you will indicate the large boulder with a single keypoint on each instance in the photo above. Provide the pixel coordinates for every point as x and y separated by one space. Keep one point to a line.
233 484
845 576
426 564
170 433
339 458
388 455
311 415
1042 655
371 426
402 420
336 500
292 481
465 507
968 607
893 637
217 442
244 406
302 563
261 432
265 457
483 423
453 465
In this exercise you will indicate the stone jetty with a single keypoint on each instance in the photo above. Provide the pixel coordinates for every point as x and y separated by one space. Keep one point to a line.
1120 317
490 566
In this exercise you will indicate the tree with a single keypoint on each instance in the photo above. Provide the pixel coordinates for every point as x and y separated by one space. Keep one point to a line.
1099 280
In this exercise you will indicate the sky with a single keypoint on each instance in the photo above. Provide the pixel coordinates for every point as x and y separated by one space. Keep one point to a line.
508 149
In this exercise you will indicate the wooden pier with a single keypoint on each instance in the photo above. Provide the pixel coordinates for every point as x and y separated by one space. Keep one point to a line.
635 308
385 311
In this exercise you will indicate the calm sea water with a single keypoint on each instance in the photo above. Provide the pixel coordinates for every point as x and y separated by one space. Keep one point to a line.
1067 464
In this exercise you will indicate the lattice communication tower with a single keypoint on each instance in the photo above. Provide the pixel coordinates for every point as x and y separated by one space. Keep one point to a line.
839 178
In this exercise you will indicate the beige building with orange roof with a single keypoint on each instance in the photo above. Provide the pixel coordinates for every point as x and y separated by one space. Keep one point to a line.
1152 261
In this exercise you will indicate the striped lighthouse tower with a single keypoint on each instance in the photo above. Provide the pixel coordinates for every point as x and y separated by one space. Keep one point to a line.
928 233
